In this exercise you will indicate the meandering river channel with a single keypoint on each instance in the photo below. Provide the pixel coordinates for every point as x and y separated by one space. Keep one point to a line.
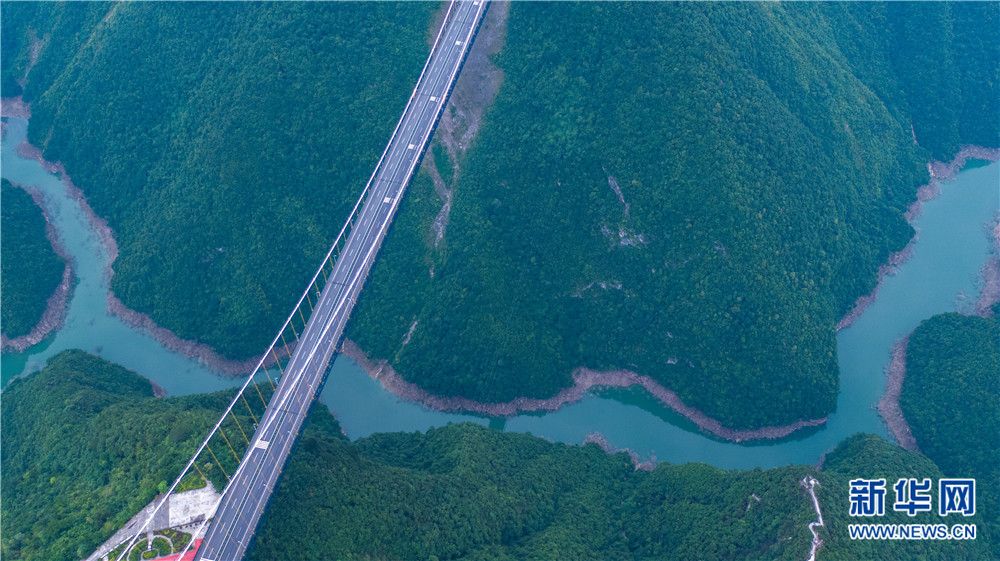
940 276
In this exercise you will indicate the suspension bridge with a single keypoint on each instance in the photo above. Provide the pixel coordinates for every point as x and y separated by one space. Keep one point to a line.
304 347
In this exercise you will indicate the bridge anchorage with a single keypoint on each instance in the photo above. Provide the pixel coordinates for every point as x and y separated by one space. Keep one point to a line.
265 416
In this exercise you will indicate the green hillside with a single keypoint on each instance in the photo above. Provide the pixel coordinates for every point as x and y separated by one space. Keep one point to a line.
866 456
29 268
468 492
86 445
765 152
765 155
951 399
227 156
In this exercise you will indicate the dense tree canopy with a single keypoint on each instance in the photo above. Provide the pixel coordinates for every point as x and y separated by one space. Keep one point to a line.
468 492
866 456
29 268
465 491
951 399
765 155
225 157
85 446
765 152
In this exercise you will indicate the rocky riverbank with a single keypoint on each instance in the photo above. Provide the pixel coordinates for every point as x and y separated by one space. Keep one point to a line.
938 171
55 307
888 405
948 170
598 439
52 318
583 380
15 107
989 275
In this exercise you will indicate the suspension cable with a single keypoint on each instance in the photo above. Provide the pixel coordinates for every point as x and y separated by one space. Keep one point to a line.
252 416
239 426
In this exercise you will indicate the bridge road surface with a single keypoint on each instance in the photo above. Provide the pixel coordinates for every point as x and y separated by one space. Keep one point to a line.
250 488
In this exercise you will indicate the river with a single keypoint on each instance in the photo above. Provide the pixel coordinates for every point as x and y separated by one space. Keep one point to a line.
940 276
88 324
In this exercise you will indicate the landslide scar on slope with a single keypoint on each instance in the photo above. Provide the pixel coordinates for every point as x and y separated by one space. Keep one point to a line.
474 91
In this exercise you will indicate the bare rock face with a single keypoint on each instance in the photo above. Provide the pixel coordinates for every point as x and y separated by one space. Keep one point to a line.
474 91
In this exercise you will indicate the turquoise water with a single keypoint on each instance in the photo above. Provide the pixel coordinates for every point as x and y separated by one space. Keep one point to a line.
88 325
951 248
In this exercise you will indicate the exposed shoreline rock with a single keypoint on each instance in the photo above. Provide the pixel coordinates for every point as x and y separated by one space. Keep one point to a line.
947 171
598 439
158 390
15 107
206 355
938 171
583 380
989 275
888 405
52 318
55 308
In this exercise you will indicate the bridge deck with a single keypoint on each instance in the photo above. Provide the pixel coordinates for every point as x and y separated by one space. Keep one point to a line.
249 490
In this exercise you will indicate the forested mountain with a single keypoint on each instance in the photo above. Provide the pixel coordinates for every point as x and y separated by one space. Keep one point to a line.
764 157
29 267
866 456
469 492
86 444
225 143
695 191
951 399
764 153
